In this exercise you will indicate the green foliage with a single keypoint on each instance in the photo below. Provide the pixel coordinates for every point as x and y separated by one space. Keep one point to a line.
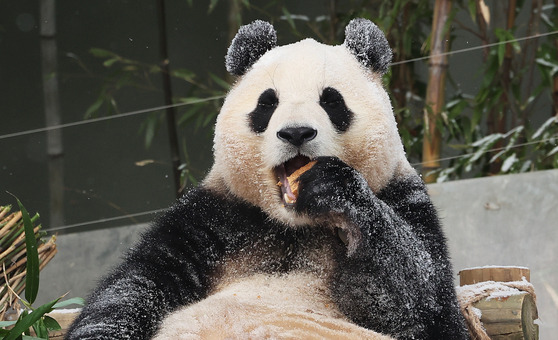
539 151
485 131
491 130
30 317
198 108
32 272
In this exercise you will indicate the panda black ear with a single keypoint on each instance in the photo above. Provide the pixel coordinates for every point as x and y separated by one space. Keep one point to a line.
369 44
250 43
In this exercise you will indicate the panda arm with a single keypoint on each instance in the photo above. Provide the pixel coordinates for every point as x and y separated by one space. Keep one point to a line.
171 266
392 276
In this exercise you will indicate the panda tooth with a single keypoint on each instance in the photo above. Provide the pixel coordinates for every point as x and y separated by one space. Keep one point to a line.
287 199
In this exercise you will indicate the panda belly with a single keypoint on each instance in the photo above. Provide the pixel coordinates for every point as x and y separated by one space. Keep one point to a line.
262 306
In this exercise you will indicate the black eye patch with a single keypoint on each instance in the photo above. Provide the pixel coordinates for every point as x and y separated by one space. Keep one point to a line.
267 103
334 105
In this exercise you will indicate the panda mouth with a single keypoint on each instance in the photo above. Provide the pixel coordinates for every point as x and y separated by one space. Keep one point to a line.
285 170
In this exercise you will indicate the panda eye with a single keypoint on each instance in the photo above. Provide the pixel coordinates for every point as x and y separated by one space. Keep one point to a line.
267 103
334 105
330 97
268 99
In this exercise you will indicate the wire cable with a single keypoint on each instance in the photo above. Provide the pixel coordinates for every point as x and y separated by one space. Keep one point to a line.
100 119
137 112
486 151
157 211
474 48
103 220
122 115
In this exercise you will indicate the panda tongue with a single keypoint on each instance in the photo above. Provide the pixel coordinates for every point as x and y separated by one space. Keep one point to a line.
285 170
286 192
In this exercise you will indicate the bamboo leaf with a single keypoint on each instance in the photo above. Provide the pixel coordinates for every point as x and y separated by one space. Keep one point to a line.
101 53
509 162
32 275
543 127
7 323
40 329
226 86
29 319
72 301
184 74
472 6
289 18
501 53
552 152
488 140
51 324
109 62
94 107
212 5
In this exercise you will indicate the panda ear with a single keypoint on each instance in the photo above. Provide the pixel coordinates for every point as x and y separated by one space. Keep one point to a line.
250 43
369 44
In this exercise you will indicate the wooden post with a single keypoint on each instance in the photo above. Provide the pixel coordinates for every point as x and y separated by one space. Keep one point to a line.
509 317
498 274
506 314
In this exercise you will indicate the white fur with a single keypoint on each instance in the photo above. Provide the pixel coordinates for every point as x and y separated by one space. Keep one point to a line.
264 307
293 306
299 72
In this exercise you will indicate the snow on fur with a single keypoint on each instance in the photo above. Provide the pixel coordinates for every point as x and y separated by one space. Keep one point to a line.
234 235
368 44
249 44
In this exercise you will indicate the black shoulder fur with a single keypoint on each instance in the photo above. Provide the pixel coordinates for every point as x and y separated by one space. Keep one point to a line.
393 278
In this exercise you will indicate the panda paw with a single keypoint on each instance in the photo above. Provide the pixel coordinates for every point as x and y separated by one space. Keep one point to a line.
330 187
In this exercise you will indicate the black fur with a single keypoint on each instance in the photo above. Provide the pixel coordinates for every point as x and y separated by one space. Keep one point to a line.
267 103
394 275
368 43
250 43
177 262
334 105
362 37
394 278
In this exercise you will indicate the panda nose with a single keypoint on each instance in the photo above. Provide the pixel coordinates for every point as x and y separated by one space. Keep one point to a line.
297 135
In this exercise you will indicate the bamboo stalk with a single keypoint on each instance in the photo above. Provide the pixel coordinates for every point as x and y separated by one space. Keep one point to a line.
435 91
555 78
3 211
13 256
42 249
13 246
499 117
15 218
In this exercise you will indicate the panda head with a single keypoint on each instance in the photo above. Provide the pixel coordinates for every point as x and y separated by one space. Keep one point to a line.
297 102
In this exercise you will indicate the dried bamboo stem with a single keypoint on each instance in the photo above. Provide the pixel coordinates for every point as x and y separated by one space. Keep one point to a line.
3 212
16 217
13 256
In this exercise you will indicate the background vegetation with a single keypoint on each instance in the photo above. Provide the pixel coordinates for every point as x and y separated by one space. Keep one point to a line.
498 128
98 93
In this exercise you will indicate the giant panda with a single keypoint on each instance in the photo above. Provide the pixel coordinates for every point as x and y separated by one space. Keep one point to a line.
358 254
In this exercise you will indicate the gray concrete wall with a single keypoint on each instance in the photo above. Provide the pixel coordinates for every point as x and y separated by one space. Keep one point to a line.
504 220
507 220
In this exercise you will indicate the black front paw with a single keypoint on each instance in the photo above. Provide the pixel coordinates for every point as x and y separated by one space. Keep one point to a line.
330 186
